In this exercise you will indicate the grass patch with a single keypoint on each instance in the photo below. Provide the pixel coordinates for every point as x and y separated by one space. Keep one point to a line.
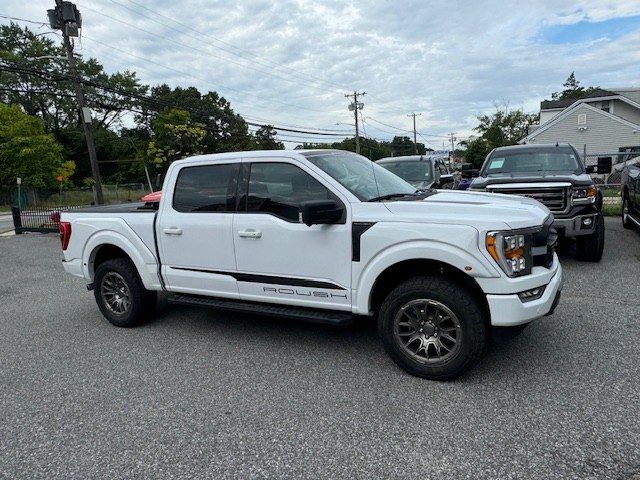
612 210
610 192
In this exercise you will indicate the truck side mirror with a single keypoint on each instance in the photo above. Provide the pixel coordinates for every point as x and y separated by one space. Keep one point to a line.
604 164
316 212
446 180
590 169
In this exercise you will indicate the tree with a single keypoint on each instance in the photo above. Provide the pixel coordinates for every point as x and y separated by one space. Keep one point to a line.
572 89
497 130
265 138
175 136
225 130
26 151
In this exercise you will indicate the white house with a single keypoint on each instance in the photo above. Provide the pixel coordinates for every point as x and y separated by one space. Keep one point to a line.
604 123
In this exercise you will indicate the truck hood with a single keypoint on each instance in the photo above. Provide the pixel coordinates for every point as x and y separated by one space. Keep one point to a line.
577 180
490 210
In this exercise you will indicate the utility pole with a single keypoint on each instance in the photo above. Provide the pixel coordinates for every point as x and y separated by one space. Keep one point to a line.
354 107
415 141
66 17
453 140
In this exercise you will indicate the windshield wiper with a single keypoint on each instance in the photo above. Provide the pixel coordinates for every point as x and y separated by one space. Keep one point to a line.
396 195
389 197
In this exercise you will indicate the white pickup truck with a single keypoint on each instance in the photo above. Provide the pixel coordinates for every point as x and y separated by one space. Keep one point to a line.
323 236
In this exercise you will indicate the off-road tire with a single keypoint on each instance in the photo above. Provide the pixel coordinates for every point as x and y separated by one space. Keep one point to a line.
589 248
142 301
456 298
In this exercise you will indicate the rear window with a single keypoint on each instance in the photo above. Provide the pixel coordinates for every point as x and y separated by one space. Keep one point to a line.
210 188
553 160
418 171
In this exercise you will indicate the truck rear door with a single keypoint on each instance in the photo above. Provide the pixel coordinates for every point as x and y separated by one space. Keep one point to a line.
194 230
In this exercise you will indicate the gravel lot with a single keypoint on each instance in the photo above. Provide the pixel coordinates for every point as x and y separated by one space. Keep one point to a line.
200 393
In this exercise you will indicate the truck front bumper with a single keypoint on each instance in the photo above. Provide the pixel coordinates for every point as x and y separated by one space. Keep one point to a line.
510 310
576 226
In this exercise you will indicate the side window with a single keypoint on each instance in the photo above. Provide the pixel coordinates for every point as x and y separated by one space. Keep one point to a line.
280 188
210 188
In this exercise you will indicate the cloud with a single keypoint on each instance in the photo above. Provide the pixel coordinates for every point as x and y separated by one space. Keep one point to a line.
291 61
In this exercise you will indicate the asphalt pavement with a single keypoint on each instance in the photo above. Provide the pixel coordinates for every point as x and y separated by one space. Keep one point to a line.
203 394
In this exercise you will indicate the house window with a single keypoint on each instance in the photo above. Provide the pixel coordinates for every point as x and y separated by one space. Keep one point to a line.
604 106
582 119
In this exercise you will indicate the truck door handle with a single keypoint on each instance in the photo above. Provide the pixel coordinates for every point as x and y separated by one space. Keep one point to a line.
173 231
250 233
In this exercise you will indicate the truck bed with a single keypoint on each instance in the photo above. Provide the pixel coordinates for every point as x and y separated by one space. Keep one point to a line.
129 207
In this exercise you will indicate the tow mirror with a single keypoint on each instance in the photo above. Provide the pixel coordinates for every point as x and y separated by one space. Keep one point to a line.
446 178
316 212
604 164
590 169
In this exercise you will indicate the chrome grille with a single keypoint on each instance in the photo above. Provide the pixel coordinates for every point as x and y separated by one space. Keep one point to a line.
554 198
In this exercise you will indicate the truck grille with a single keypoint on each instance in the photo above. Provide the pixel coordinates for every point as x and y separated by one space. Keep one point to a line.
554 198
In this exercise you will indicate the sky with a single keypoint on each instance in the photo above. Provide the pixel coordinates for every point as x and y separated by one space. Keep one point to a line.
290 62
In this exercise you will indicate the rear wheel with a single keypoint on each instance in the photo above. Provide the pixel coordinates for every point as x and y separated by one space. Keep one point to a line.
432 328
589 248
120 294
626 221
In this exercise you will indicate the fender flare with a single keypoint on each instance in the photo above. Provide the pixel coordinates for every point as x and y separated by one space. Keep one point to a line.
136 253
414 250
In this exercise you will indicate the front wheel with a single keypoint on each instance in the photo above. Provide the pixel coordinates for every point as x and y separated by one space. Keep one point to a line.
120 294
432 328
589 248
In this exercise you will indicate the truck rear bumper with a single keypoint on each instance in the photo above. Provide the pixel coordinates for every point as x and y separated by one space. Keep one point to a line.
509 310
73 267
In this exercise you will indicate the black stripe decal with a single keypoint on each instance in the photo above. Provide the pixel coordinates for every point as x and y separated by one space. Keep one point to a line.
272 279
357 230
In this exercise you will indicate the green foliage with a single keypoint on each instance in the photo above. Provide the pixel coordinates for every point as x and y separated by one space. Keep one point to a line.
26 151
497 130
373 149
265 138
175 136
225 131
572 89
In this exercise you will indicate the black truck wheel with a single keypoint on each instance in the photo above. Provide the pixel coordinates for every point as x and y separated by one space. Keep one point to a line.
589 248
120 294
626 221
432 328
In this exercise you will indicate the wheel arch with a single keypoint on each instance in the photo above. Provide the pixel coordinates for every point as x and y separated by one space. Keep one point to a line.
104 246
403 270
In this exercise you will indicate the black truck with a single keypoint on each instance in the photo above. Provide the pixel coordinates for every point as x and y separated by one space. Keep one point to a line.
631 195
555 176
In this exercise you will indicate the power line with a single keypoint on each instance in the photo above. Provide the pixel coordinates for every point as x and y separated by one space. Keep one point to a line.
240 52
195 49
199 78
8 17
60 77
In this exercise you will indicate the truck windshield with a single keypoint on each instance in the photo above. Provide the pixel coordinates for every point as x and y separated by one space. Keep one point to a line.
554 160
411 171
359 175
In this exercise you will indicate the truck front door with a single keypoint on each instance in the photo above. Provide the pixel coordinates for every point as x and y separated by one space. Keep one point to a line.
279 258
194 230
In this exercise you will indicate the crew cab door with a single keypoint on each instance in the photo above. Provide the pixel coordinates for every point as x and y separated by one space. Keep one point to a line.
279 258
194 230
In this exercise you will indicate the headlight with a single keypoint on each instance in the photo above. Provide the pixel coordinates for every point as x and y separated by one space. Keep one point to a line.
511 251
583 195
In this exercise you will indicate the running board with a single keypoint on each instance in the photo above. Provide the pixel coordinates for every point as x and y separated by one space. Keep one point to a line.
327 317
